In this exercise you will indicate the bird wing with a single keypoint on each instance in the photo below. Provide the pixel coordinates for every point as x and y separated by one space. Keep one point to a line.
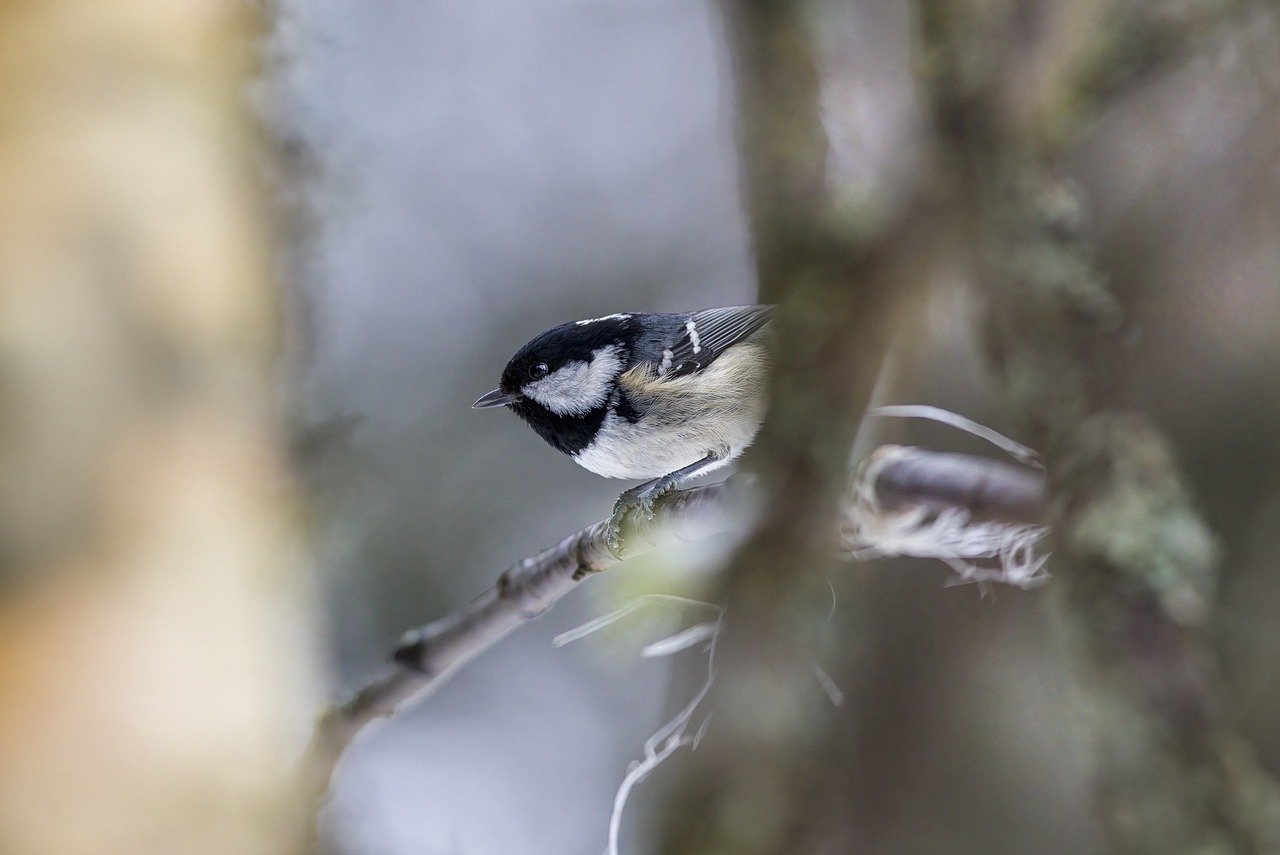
709 333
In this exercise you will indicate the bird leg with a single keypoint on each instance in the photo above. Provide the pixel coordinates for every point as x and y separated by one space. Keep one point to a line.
642 497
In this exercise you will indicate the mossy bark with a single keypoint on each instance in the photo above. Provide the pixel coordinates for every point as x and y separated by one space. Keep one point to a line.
839 279
1135 566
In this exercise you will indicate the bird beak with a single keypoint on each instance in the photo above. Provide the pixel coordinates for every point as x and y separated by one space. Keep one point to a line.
496 398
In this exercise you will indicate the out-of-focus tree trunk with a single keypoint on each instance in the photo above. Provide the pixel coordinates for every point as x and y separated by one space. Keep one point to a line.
841 276
1136 566
153 651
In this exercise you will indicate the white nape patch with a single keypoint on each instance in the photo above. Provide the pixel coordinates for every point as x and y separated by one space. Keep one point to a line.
616 317
667 356
578 387
693 337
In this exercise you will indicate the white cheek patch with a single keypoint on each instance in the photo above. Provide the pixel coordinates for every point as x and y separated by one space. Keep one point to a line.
578 387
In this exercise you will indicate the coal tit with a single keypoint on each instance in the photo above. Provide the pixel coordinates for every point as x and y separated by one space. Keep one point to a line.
664 397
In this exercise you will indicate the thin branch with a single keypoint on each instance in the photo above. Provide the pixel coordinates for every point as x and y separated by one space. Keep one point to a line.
983 518
1014 449
429 655
907 478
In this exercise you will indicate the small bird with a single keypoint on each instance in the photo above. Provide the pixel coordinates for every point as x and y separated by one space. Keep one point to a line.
664 397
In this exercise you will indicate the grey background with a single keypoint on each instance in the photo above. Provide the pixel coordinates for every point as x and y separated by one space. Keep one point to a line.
483 171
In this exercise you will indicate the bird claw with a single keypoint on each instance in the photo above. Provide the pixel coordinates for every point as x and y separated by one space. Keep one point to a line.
641 500
613 538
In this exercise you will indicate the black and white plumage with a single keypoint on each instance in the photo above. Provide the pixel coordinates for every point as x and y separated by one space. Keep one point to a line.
657 396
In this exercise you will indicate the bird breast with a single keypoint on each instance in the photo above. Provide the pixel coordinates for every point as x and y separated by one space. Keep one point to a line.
683 419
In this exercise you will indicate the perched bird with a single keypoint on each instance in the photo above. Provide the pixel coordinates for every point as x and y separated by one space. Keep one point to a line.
664 397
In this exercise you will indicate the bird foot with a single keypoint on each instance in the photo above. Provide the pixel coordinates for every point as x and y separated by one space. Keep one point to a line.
640 500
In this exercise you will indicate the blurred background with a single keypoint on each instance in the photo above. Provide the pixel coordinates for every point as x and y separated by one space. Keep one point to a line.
220 340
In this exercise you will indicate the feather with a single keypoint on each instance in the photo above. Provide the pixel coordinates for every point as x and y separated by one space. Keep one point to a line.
707 334
681 418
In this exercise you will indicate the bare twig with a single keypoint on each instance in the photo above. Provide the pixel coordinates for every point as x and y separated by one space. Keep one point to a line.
428 655
905 478
983 518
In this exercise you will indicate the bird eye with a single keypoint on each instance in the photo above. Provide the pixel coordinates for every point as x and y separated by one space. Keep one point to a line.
539 370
